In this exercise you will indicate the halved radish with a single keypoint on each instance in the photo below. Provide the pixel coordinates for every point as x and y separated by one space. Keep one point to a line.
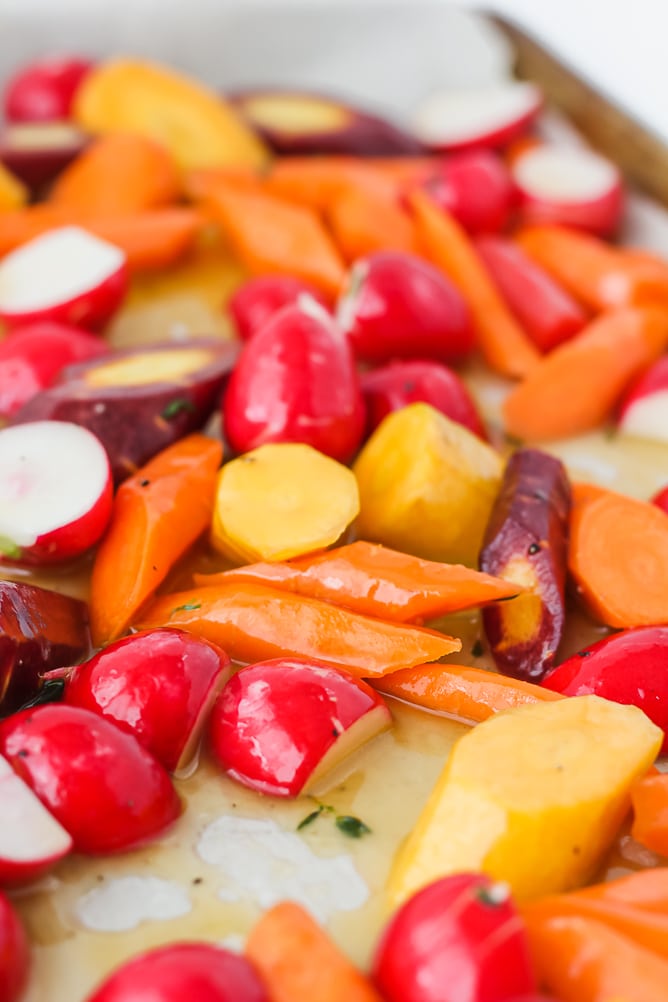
569 186
644 410
67 275
31 840
55 491
36 152
479 117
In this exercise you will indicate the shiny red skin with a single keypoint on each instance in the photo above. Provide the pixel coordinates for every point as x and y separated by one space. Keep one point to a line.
91 310
107 791
295 381
660 499
153 685
477 189
397 305
275 720
451 943
198 972
14 953
629 667
254 303
32 357
653 381
548 313
401 383
43 91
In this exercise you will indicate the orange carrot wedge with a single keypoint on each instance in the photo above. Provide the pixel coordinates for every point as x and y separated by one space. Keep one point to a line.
460 691
363 222
575 387
157 514
650 816
254 622
269 235
618 558
298 962
377 581
317 182
118 174
600 276
199 184
506 347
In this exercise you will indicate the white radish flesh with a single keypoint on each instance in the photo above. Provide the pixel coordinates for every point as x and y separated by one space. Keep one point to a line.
486 116
29 835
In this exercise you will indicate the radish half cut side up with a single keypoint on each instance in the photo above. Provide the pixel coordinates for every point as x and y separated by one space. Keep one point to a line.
473 118
55 491
67 275
644 410
570 187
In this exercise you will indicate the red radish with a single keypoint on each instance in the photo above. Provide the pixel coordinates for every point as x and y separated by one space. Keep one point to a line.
43 91
401 383
107 791
55 491
280 725
644 410
478 117
254 303
629 667
197 971
159 685
547 312
460 939
31 358
476 189
396 305
14 954
66 275
572 187
295 381
31 840
37 152
660 499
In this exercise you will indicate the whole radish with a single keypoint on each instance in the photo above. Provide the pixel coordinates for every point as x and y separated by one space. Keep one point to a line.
255 302
43 91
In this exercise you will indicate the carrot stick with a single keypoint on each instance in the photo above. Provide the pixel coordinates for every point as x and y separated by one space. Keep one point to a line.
618 557
199 184
600 276
581 960
269 235
576 386
316 182
377 581
649 797
506 347
363 222
635 905
460 691
298 961
118 174
255 622
158 513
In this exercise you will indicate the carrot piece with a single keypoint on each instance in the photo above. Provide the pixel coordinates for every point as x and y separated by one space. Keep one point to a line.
20 225
649 797
198 184
618 557
583 960
635 905
118 174
506 347
269 235
377 581
460 691
316 182
256 622
13 192
363 222
298 961
600 276
158 513
576 386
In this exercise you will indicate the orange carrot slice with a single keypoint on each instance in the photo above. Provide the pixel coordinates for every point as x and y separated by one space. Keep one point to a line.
377 581
363 222
158 513
269 235
316 182
575 387
618 557
650 809
506 347
298 961
460 691
255 622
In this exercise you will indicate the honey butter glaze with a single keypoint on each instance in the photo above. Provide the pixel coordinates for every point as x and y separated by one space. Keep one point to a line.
234 852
